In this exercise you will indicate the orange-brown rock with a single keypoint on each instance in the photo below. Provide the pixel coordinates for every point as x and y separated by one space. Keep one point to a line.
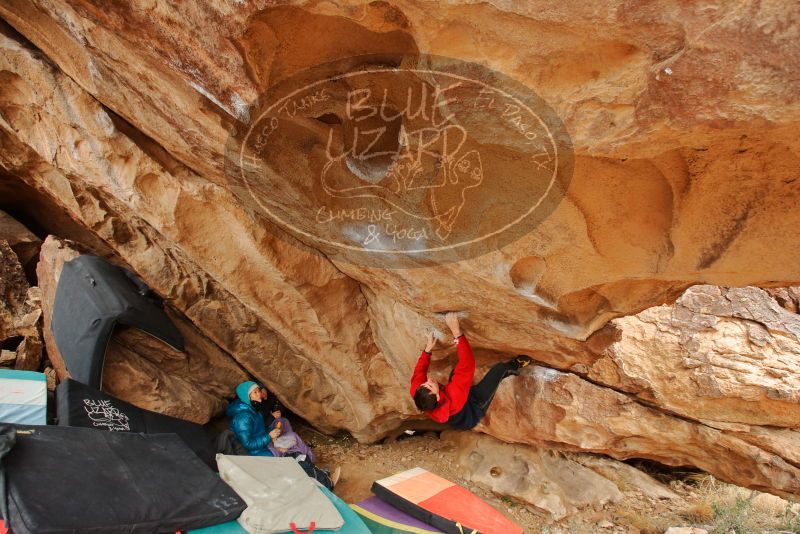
21 240
20 312
555 482
544 478
173 229
551 408
718 354
682 116
648 94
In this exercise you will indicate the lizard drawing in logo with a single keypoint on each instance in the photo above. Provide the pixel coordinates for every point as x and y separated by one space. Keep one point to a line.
104 415
427 177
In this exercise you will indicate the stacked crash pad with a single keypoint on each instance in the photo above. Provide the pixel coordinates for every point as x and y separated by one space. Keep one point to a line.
281 497
352 523
23 397
92 297
441 504
83 406
64 480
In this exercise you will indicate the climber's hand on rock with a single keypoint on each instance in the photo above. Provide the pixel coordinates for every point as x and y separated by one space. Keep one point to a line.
451 319
431 342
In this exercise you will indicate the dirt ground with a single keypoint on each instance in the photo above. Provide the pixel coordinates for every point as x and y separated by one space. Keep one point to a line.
704 502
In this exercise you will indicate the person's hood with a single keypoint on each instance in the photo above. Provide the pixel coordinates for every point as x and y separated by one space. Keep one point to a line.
243 391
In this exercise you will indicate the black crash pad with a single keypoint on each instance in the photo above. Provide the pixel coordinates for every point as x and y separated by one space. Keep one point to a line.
92 297
81 405
65 479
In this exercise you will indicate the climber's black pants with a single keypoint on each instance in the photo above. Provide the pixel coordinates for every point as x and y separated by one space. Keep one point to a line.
321 475
480 396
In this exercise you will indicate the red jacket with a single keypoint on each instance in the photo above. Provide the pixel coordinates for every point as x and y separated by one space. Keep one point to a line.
453 396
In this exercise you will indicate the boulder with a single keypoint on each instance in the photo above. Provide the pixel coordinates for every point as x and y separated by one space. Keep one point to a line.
547 407
730 355
546 479
626 477
284 312
21 240
651 205
19 313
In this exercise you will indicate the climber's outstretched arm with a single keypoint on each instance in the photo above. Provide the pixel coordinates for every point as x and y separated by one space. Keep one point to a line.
465 368
420 375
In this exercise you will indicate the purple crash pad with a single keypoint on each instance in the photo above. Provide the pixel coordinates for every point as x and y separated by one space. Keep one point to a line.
389 517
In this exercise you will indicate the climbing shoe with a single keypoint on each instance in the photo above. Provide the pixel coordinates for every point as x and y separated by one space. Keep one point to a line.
336 474
522 361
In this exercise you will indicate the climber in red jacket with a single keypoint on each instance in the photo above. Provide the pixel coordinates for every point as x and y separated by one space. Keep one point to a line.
459 403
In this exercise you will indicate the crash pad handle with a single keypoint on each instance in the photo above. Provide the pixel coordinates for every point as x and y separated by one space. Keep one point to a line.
311 528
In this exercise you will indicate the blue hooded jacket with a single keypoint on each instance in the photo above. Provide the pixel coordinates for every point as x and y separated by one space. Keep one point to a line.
248 424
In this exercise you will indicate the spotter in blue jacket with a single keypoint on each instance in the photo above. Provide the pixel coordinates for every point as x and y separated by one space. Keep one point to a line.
247 422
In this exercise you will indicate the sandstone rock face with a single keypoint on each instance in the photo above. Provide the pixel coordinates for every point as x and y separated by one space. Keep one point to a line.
727 355
289 301
683 120
20 310
626 477
24 243
551 408
142 370
559 483
654 157
543 478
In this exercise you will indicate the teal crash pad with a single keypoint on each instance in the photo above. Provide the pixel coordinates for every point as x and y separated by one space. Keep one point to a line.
352 522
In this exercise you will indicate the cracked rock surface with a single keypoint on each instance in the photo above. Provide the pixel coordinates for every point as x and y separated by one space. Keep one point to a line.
115 117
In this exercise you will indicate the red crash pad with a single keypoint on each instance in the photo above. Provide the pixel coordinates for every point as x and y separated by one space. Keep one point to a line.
442 504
